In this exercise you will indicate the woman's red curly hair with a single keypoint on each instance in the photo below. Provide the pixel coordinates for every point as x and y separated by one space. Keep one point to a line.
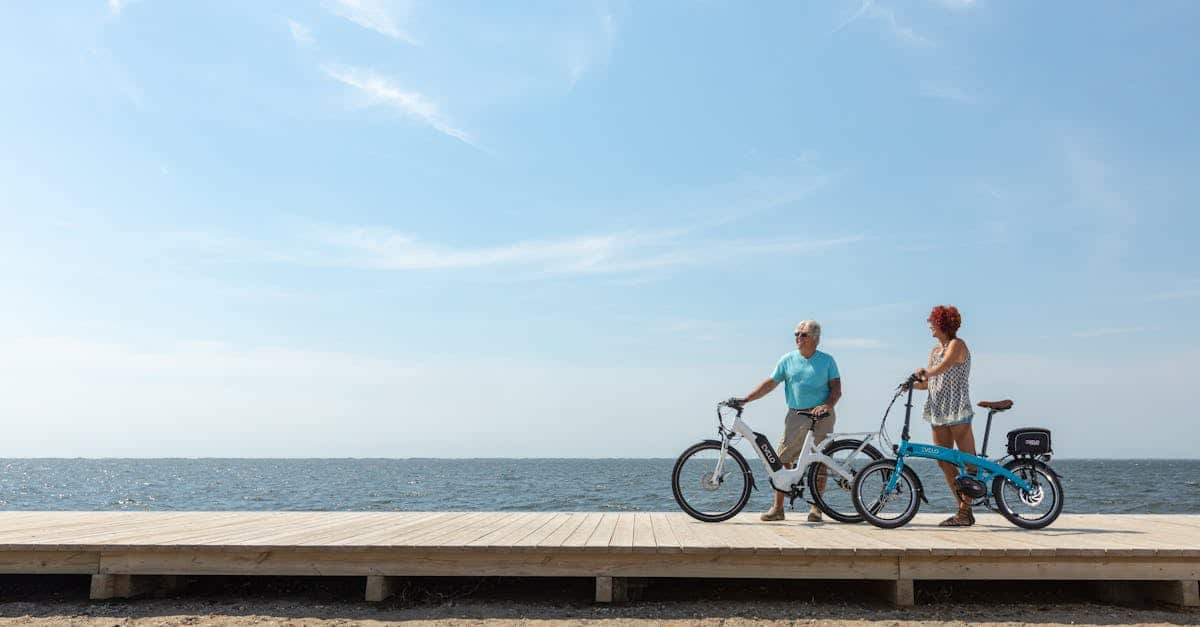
946 318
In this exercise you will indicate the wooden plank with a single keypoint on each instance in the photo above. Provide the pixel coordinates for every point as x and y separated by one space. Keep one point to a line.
1060 567
157 532
217 530
688 539
85 528
564 531
707 534
496 563
462 541
429 532
601 536
664 536
522 524
578 538
643 533
622 536
530 542
291 533
746 536
534 524
49 562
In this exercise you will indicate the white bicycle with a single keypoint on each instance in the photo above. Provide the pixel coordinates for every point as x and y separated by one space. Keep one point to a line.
712 481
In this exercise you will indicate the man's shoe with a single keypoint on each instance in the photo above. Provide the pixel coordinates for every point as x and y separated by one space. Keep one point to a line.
772 515
814 516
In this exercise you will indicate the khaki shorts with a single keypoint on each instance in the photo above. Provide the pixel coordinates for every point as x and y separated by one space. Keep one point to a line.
795 426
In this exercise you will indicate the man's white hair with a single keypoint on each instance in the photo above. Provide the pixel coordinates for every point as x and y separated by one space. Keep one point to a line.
809 326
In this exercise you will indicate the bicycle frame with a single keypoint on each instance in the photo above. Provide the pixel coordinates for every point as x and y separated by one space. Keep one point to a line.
985 469
783 479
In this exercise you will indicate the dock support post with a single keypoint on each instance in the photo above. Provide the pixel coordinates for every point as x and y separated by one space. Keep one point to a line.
898 592
126 586
379 588
611 589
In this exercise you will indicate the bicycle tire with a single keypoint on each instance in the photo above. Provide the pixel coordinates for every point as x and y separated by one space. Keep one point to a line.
908 482
1047 475
844 514
742 467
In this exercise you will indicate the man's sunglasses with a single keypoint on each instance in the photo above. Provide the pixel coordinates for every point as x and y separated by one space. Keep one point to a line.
799 334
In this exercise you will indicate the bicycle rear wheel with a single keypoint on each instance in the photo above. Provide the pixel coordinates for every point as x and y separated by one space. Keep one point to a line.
1029 510
881 507
705 493
835 499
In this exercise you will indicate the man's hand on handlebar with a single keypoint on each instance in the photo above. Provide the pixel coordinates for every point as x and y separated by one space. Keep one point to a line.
735 402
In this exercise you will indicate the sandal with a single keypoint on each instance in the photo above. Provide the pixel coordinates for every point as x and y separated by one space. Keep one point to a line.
961 519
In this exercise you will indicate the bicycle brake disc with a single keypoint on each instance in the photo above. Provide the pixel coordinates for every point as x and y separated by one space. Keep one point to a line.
1034 497
710 482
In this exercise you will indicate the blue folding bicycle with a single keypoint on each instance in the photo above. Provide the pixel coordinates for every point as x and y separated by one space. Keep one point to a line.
1024 489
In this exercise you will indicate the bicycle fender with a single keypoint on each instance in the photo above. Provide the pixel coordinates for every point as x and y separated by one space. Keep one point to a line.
917 478
750 473
920 486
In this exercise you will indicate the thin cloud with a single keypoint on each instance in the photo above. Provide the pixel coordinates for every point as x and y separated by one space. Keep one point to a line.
957 5
301 34
115 7
375 15
589 49
386 249
852 342
858 14
869 9
380 91
871 311
1098 189
946 92
1107 332
1168 295
615 253
622 254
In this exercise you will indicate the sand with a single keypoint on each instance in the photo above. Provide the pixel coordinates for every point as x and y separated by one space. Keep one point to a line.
337 601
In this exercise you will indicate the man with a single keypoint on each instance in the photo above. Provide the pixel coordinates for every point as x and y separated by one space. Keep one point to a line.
813 385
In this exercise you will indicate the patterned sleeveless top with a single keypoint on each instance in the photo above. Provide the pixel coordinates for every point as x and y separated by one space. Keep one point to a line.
949 401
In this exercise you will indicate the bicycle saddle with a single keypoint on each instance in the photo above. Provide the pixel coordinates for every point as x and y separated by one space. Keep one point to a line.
996 405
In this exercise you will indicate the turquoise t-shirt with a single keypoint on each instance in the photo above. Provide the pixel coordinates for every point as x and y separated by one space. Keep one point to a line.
806 380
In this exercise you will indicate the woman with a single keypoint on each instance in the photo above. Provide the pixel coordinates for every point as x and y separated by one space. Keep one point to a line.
948 408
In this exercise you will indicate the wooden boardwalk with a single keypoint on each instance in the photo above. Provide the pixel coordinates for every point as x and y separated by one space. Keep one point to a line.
130 551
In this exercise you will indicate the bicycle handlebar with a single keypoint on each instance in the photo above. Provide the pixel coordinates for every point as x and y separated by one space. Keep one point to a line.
912 378
739 404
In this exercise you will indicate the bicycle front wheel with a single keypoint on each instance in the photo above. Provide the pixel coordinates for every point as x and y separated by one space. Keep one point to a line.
709 486
830 490
1034 509
881 507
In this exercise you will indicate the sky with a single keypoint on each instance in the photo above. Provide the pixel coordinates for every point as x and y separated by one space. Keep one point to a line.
372 228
